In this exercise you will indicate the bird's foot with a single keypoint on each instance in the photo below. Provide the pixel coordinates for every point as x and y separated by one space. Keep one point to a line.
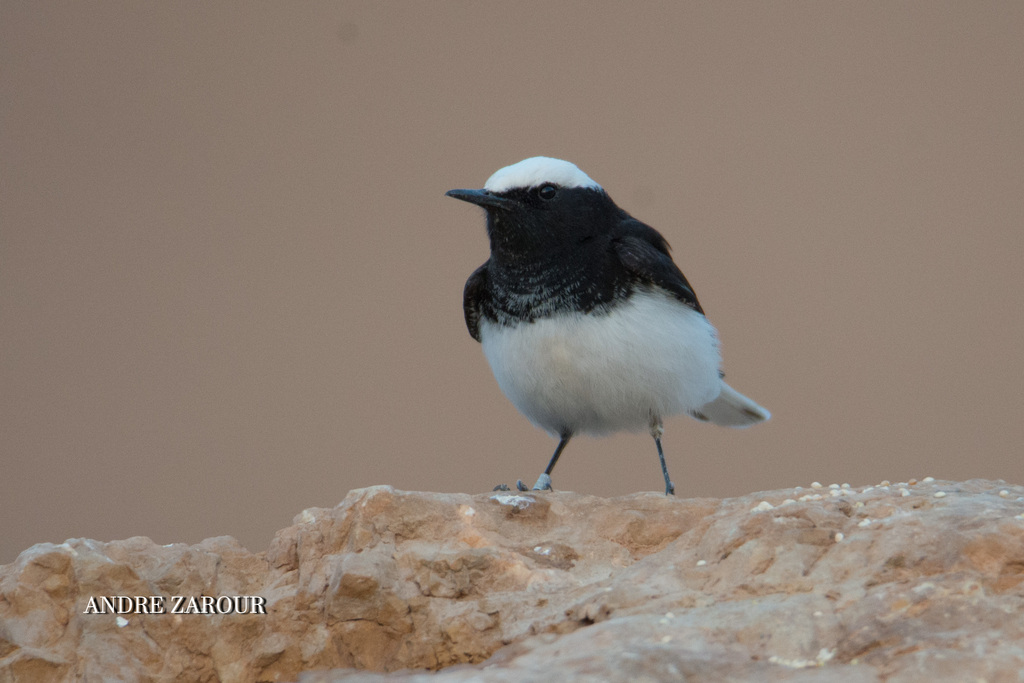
670 489
543 483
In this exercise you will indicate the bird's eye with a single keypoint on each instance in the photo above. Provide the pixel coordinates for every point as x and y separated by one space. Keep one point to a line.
547 192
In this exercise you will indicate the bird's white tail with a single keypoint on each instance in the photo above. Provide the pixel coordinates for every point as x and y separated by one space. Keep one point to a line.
732 409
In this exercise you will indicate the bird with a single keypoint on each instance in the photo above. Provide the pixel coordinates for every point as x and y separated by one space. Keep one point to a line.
588 325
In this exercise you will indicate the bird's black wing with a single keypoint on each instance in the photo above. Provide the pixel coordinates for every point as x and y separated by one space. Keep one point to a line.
644 252
473 297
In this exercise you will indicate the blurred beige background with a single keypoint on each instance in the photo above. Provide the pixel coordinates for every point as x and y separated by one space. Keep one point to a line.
230 282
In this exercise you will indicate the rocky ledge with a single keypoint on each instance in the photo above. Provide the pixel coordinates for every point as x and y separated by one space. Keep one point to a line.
907 581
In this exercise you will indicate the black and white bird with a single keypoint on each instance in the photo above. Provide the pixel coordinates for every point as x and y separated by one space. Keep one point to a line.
587 323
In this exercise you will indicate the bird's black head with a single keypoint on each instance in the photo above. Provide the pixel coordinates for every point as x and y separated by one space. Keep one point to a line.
541 207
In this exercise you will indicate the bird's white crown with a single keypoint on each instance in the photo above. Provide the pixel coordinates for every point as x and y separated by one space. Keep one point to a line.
538 171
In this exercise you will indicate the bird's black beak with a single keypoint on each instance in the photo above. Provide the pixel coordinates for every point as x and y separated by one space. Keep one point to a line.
480 198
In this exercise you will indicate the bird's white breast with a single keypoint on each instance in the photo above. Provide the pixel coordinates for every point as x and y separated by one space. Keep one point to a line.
649 357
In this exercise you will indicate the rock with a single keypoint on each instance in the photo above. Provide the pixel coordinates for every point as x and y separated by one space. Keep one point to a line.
890 582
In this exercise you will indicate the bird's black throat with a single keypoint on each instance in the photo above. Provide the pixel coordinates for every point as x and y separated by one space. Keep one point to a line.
583 279
550 258
563 250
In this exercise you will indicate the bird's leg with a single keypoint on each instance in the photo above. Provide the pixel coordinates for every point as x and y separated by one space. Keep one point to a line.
544 480
657 429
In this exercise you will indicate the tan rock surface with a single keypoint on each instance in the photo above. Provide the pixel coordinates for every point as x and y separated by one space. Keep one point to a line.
882 583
